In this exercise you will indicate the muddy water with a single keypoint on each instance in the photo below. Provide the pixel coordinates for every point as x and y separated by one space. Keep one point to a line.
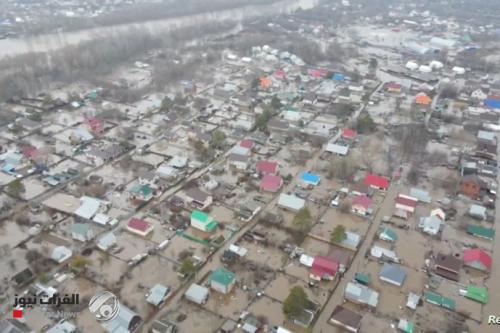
48 42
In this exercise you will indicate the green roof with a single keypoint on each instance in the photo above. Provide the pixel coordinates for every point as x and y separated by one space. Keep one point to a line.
80 228
390 234
145 190
211 226
223 276
363 278
201 216
448 303
406 326
479 231
478 294
433 298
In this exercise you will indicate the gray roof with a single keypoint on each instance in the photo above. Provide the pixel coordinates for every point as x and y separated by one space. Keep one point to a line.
421 195
393 273
477 210
80 228
13 326
122 322
361 294
63 327
196 293
337 149
486 135
106 241
158 294
291 201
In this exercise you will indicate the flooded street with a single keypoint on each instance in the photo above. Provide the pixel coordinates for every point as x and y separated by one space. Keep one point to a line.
49 42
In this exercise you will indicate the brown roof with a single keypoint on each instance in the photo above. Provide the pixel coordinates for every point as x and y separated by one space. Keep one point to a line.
341 256
346 317
448 262
197 195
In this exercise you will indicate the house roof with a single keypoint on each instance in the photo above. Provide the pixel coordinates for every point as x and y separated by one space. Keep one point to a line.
448 261
377 181
423 99
479 231
349 133
157 294
472 255
80 228
196 292
88 207
362 200
406 200
322 266
271 183
346 317
291 201
139 224
247 143
267 166
144 190
393 273
197 195
223 276
421 195
337 149
310 178
360 293
477 293
388 233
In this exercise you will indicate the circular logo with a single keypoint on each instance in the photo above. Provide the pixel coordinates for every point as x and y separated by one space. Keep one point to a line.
104 306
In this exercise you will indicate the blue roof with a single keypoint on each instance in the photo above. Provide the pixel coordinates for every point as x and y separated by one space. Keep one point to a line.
338 77
492 103
8 168
310 178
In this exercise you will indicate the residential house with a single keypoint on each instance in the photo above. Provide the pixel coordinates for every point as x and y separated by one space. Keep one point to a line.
405 204
393 274
349 134
82 232
222 280
362 205
308 178
487 141
481 232
360 294
141 192
202 221
423 100
310 98
345 318
430 224
239 162
337 149
88 208
264 167
198 198
447 266
478 95
94 125
60 254
492 102
393 87
323 268
139 227
376 182
472 186
125 321
388 235
157 295
271 183
421 195
247 143
478 259
291 202
275 125
106 242
197 294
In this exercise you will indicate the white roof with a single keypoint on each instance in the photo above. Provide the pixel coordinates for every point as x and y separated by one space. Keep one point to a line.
306 260
291 201
196 293
166 170
379 252
239 150
106 241
61 253
88 207
337 149
178 162
430 224
413 300
241 251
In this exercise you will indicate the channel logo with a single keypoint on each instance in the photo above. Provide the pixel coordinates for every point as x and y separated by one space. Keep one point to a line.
104 306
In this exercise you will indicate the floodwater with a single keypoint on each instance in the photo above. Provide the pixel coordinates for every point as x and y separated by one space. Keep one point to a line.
49 42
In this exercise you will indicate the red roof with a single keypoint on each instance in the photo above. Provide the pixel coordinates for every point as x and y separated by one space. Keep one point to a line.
323 266
393 85
267 167
29 151
376 181
407 201
349 133
247 143
363 201
471 255
95 124
271 183
138 224
280 74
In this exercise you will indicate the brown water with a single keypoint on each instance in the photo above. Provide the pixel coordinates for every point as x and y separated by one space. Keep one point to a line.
48 42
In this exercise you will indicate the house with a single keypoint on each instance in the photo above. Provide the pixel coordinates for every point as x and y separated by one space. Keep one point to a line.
387 235
405 326
420 195
125 321
271 183
141 192
392 273
222 280
139 227
308 178
393 87
106 242
345 318
23 277
202 221
412 301
240 150
406 203
471 186
349 133
277 125
447 266
198 198
475 293
197 294
104 220
477 212
310 98
481 232
94 125
337 149
359 188
478 259
88 208
60 254
376 182
430 224
291 202
323 268
362 205
487 141
157 295
240 162
423 99
30 152
360 294
267 167
82 232
478 95
383 254
341 256
247 143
